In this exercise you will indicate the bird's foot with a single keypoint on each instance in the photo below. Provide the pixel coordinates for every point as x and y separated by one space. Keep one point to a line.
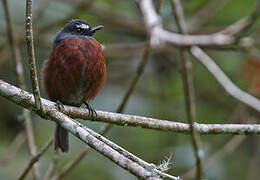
59 105
91 110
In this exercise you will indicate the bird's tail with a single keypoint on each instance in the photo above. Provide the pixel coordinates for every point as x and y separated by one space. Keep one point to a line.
61 139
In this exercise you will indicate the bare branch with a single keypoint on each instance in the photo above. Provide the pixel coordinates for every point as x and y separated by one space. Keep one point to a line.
31 55
129 155
26 100
204 14
188 87
52 166
75 128
71 164
13 148
35 158
81 132
224 81
223 152
14 51
239 28
21 81
160 36
139 72
31 141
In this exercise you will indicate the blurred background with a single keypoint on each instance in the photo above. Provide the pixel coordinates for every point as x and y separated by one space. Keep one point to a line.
158 94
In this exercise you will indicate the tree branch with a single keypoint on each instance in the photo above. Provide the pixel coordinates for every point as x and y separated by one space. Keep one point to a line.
14 94
26 100
204 14
129 155
223 80
71 164
229 147
21 82
188 87
161 36
34 159
240 27
52 166
31 55
13 148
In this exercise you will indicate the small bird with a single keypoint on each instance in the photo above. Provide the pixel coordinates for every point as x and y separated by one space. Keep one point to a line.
75 71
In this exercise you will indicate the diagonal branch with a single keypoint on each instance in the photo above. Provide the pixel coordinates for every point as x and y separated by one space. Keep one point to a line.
204 14
229 147
75 128
21 81
35 158
13 148
188 88
240 27
50 171
223 80
145 165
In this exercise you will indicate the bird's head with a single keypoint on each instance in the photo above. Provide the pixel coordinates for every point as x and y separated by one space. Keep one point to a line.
76 28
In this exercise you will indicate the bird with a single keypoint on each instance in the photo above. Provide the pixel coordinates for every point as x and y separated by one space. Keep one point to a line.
75 71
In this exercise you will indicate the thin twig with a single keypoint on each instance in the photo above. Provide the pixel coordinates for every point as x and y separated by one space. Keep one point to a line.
133 83
13 148
188 87
223 80
229 147
204 14
35 158
223 152
31 141
255 160
25 99
71 164
31 55
239 28
21 81
52 166
14 51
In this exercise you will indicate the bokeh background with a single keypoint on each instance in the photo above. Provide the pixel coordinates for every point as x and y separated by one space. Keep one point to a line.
158 94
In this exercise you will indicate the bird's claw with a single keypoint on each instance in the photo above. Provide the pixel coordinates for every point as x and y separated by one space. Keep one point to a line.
91 110
59 105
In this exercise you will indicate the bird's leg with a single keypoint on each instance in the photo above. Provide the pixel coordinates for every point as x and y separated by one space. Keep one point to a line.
91 111
59 104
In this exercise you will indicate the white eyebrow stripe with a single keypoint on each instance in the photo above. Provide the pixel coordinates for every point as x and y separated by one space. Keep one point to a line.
83 26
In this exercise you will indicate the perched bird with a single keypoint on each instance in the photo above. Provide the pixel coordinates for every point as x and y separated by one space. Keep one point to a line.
75 71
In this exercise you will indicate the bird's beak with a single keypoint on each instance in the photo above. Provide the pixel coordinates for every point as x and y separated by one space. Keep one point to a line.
95 28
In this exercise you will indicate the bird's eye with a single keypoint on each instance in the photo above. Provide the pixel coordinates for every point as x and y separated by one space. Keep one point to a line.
78 30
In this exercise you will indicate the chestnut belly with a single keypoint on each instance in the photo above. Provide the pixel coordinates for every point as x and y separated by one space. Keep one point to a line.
75 71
